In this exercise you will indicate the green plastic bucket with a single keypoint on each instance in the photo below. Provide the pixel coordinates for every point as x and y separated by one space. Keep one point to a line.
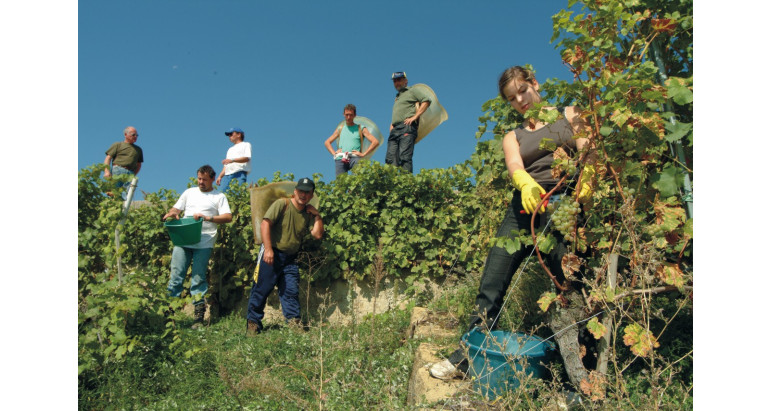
496 358
185 231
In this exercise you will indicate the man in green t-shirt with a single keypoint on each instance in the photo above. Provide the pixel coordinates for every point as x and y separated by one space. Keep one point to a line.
125 156
409 105
283 228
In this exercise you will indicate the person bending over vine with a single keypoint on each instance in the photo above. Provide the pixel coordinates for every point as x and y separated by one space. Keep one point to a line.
529 165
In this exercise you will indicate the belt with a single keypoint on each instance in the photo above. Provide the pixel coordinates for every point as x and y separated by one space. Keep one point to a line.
123 167
414 123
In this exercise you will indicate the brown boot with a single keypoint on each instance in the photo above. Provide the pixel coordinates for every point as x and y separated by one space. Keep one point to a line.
295 324
198 313
252 328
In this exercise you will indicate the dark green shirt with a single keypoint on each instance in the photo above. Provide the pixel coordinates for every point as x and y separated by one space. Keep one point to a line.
125 155
288 225
404 105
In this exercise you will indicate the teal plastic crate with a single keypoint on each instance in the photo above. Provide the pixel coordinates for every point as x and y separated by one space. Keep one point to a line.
495 357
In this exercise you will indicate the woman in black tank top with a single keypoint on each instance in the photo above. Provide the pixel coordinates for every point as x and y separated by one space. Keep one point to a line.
530 169
529 166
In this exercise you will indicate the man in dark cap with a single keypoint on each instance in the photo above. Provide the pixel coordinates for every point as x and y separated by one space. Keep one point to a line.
283 228
409 105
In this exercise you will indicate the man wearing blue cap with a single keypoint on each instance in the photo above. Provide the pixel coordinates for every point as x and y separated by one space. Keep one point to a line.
283 228
409 105
237 162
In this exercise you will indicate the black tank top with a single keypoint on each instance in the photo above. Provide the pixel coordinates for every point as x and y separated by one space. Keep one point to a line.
538 161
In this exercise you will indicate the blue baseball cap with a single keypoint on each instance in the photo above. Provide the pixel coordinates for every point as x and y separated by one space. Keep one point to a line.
234 129
398 74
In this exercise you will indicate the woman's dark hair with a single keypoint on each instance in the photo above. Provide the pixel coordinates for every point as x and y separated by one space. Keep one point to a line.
349 107
511 73
207 170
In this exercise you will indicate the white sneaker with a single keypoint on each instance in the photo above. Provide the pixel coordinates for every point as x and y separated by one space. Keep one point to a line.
444 370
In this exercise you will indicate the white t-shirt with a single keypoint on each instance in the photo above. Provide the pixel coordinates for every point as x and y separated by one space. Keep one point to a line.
210 204
242 149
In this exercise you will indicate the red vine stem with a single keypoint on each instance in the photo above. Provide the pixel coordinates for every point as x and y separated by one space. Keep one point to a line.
535 238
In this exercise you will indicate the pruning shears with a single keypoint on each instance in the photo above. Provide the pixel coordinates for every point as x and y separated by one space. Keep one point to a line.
544 204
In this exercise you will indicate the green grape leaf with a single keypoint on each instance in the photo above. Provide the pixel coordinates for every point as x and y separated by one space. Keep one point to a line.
547 144
688 228
677 130
671 274
546 243
667 181
668 218
619 118
679 93
512 245
546 299
610 295
651 95
120 351
639 340
660 242
604 244
596 328
549 116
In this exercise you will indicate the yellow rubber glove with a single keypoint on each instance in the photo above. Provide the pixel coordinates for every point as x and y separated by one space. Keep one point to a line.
586 184
531 191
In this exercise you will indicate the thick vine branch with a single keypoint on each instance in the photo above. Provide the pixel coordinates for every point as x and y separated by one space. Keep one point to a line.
654 290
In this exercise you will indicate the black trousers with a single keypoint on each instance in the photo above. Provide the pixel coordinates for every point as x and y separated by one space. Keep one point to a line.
500 267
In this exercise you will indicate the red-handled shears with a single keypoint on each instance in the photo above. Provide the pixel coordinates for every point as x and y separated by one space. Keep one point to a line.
544 204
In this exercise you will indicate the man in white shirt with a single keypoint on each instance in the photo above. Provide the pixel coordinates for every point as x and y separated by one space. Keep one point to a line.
237 163
211 205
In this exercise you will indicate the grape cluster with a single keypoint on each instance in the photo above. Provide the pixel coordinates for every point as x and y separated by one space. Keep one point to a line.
571 168
567 167
564 214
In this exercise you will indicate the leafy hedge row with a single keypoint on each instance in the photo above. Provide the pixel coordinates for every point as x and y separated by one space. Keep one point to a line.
419 225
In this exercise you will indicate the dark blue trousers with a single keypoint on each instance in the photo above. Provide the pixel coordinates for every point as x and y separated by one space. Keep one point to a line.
401 145
282 273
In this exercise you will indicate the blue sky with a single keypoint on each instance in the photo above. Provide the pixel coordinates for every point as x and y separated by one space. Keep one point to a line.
182 72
